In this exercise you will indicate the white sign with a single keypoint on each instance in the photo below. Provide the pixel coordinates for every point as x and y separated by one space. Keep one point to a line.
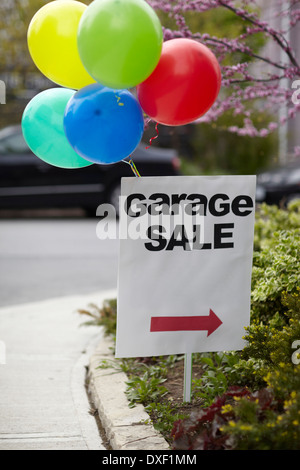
186 247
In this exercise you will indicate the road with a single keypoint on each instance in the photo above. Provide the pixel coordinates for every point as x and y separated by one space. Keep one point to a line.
50 267
42 259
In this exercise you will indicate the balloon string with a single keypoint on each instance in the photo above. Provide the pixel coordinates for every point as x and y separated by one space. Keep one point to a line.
153 138
133 167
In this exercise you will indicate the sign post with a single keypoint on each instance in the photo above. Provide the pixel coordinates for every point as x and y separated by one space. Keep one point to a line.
188 367
186 248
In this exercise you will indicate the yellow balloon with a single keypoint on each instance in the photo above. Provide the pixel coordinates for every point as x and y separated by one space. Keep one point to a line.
52 43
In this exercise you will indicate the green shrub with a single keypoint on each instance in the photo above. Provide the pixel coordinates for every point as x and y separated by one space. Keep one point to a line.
265 415
276 259
217 368
276 269
271 219
270 424
105 316
273 342
145 389
276 426
259 389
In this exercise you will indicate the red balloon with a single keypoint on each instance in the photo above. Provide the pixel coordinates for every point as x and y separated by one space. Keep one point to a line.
184 85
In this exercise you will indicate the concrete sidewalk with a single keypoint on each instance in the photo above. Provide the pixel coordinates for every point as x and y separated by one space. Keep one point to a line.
43 399
126 428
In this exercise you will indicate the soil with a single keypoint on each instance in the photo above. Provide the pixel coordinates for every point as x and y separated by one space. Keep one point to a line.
175 386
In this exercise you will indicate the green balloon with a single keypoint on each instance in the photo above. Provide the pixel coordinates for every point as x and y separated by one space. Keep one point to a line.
120 42
43 129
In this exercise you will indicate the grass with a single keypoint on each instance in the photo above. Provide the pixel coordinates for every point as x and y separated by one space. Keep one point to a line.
154 382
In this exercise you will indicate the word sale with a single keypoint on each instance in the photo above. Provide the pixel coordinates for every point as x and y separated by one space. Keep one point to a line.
190 222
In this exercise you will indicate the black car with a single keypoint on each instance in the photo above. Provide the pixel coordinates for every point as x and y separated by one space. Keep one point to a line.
279 185
28 182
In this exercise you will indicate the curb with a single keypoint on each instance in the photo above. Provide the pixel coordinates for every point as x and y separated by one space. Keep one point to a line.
125 427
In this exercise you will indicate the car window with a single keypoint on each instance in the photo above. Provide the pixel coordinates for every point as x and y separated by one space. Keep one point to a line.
13 144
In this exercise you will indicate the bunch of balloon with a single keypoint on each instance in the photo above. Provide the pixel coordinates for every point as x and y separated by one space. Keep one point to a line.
94 54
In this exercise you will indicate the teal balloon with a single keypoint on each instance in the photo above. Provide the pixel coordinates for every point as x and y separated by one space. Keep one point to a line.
43 129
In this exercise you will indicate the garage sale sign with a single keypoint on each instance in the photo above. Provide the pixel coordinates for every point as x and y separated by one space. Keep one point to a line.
186 246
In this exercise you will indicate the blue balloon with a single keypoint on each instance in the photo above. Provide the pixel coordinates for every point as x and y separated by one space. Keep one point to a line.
103 125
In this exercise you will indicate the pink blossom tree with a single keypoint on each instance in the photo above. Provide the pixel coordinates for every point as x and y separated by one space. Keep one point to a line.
260 80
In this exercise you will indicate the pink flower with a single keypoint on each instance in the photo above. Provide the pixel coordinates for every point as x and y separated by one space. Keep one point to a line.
246 87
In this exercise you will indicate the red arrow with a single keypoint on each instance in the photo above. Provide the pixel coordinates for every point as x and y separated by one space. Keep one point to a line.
209 323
